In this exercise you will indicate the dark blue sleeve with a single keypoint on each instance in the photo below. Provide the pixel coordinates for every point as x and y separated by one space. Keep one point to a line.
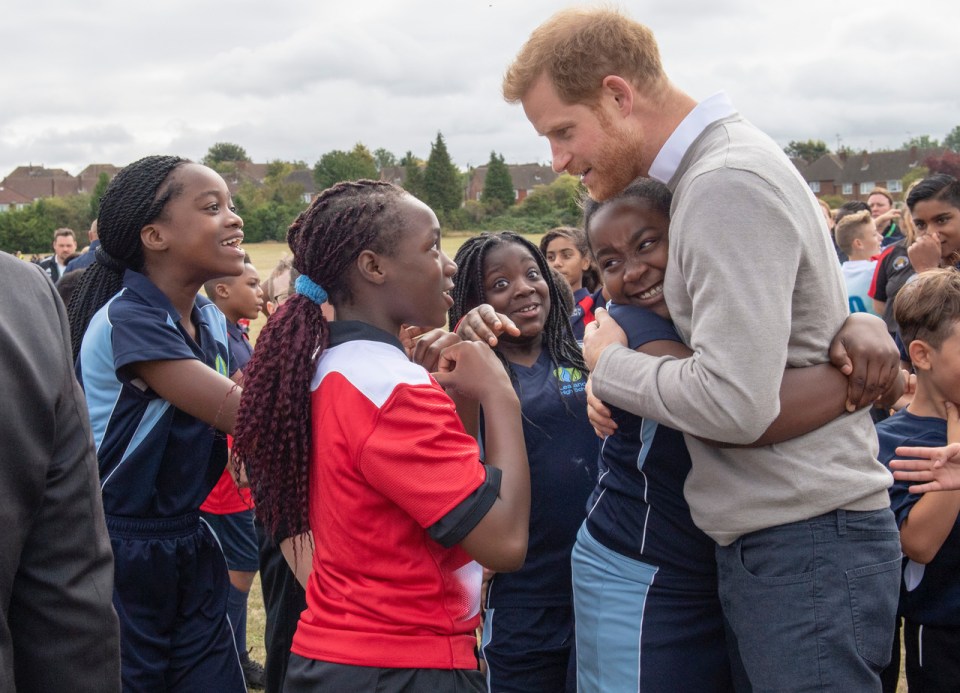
642 325
144 333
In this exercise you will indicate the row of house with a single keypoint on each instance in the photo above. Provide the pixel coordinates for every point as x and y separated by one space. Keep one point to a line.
851 176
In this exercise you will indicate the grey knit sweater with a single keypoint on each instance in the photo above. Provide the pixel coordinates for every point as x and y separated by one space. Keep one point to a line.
753 286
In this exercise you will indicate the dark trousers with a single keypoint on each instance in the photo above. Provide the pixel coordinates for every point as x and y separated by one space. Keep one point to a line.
283 601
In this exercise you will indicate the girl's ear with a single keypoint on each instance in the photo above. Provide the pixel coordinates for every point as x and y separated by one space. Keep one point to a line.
369 267
153 238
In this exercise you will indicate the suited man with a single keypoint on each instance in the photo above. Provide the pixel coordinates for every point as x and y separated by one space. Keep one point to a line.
58 628
64 245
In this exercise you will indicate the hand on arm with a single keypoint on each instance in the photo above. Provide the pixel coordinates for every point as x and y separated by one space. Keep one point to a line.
499 541
484 324
936 469
865 353
600 334
933 517
193 387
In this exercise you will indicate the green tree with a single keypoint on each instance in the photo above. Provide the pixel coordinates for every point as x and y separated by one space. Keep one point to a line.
384 158
809 151
498 190
224 152
103 180
441 179
921 142
270 208
914 174
952 140
337 165
413 175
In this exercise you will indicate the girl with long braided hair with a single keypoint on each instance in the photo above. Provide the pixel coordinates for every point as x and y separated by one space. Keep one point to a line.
348 441
506 297
153 359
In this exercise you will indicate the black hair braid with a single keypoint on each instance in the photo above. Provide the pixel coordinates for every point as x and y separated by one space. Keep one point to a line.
468 293
273 435
348 217
132 200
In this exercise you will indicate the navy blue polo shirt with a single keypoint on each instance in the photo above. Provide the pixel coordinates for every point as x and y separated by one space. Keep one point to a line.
156 461
240 347
562 452
929 594
640 511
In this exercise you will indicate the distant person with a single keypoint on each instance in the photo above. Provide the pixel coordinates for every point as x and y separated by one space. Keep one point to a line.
751 272
565 248
90 254
859 239
229 509
58 630
894 270
68 282
64 245
928 312
886 214
935 206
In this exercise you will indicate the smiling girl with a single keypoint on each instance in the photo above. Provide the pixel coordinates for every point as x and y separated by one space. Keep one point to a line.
153 359
505 296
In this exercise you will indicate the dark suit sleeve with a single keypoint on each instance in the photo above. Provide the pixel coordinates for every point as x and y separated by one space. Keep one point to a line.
59 628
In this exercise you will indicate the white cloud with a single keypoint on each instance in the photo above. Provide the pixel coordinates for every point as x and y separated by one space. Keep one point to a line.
110 81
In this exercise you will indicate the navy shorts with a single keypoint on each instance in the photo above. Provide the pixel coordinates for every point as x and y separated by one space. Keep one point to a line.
529 649
238 539
170 593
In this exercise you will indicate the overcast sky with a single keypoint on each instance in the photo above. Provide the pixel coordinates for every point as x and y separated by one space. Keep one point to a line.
109 81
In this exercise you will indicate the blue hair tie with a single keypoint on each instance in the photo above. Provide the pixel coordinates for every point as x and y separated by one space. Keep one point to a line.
309 288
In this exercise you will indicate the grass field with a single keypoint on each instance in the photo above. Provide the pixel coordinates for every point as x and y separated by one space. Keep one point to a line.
265 256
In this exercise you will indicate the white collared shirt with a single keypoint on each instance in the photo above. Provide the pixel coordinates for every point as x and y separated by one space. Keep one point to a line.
707 111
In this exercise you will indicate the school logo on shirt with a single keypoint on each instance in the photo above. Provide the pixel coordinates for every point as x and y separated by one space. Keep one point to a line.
571 380
221 365
900 263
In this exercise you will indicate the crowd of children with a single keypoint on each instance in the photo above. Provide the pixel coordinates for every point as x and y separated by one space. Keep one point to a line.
391 460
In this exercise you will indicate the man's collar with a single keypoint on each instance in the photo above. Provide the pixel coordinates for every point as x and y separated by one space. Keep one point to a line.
708 111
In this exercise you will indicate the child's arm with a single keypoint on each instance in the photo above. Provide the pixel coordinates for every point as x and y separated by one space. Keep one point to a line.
932 518
938 468
298 551
425 348
499 540
193 387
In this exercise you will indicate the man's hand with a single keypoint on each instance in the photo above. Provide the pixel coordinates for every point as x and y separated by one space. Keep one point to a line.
865 353
599 415
600 334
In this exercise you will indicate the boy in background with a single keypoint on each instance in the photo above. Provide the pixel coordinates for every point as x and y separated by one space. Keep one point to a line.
229 509
928 311
858 238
